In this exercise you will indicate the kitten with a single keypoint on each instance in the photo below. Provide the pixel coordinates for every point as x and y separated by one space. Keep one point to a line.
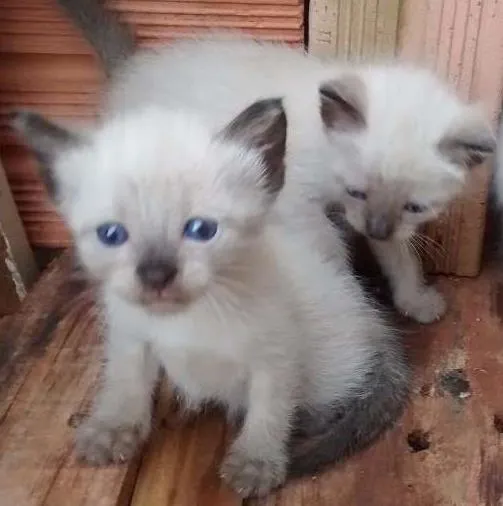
399 148
178 222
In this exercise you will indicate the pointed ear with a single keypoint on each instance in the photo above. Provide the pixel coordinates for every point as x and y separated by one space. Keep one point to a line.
46 139
469 143
262 126
343 103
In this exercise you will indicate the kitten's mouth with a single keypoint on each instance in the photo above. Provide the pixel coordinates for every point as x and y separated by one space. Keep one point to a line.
168 300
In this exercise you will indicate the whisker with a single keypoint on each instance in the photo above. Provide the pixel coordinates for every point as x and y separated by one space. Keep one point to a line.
411 246
425 250
433 250
431 242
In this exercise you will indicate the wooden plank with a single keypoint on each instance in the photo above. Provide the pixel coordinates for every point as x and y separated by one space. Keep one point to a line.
50 356
353 31
17 264
448 449
463 41
180 466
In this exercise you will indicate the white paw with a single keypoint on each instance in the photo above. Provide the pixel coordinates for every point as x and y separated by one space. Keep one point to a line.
424 306
251 476
99 443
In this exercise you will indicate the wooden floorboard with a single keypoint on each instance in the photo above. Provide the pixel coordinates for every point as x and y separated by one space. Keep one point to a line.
50 356
446 451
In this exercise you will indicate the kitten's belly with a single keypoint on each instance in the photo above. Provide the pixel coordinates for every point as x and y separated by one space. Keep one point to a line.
202 376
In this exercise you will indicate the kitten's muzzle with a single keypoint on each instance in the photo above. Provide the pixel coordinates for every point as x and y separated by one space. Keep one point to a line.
379 228
156 275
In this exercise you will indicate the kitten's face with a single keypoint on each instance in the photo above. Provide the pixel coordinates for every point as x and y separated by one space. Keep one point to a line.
161 209
407 143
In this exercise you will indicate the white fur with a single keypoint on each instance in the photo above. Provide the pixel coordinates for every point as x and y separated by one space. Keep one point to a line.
408 111
259 318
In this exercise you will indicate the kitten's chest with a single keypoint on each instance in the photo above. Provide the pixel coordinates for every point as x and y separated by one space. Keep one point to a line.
204 363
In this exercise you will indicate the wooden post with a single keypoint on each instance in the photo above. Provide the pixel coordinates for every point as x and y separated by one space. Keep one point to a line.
17 265
354 30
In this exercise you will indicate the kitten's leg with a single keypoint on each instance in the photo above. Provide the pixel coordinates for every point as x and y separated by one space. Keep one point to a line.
121 415
257 460
410 294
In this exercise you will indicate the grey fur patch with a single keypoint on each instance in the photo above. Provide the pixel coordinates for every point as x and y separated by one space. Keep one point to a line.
379 227
46 139
468 146
112 41
156 275
343 103
158 267
263 126
331 433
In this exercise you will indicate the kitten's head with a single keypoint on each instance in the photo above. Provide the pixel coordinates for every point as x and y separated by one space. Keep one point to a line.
408 144
160 207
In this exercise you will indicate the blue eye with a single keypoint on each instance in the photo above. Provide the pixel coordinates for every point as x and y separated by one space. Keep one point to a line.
412 207
356 194
200 229
112 234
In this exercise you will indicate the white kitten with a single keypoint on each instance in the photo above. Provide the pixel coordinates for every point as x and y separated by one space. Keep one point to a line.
177 221
400 142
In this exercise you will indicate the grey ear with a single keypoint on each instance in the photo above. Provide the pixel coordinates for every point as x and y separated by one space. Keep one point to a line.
469 144
262 126
343 103
46 139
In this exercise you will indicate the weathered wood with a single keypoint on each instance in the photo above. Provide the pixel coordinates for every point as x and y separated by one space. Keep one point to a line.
17 264
180 466
447 450
353 31
50 356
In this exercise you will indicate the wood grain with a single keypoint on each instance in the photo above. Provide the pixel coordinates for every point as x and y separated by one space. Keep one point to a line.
47 66
353 31
447 450
180 465
50 356
18 270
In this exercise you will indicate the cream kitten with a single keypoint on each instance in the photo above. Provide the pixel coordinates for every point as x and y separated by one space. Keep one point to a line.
392 145
178 223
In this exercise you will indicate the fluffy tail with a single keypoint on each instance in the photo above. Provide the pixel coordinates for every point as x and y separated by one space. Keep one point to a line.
112 41
356 424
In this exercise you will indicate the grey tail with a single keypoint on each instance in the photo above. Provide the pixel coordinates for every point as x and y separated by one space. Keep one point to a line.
355 424
112 41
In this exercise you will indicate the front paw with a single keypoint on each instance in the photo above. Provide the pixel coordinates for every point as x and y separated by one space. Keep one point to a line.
99 443
249 475
424 306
